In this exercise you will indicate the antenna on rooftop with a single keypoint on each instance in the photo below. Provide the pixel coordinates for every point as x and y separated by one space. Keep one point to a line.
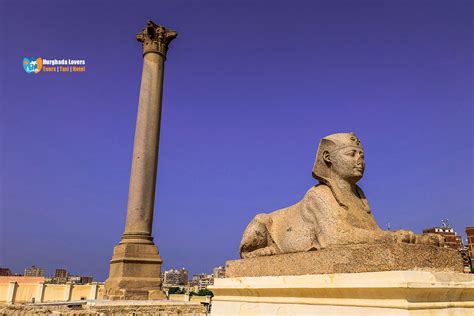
445 223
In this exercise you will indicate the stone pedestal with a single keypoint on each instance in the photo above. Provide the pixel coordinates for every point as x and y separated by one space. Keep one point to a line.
135 273
364 279
416 293
350 259
136 264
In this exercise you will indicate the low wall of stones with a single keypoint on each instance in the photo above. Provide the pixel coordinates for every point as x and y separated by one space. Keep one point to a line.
20 293
190 298
119 308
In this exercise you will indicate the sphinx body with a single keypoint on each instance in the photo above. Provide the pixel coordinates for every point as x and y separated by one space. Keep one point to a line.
334 212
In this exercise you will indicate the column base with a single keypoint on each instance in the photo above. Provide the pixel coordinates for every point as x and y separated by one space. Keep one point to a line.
134 274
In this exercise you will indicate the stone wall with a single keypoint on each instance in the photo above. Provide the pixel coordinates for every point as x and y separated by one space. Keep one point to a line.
402 293
188 298
122 308
20 292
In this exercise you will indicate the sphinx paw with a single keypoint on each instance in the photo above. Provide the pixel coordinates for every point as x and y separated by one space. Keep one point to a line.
267 251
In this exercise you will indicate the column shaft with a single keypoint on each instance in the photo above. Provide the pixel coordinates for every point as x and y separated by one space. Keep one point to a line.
141 194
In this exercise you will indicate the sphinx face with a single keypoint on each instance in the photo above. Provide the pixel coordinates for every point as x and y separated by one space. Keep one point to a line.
348 163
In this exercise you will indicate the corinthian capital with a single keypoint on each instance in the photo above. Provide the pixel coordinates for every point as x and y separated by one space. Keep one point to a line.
155 38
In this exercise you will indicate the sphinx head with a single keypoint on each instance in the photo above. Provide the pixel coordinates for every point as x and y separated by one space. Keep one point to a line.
339 156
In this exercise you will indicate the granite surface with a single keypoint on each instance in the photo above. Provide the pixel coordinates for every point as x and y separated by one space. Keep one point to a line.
350 259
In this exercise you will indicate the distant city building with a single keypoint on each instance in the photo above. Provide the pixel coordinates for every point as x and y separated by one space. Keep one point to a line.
196 277
202 281
218 272
205 282
470 246
451 238
470 240
5 272
60 273
176 277
86 279
34 271
74 279
60 276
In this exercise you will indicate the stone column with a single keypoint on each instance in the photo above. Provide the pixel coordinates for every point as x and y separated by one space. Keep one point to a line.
40 293
11 292
94 290
68 291
136 264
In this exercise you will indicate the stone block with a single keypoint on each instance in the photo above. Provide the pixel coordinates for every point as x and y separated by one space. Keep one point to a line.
350 259
134 271
408 293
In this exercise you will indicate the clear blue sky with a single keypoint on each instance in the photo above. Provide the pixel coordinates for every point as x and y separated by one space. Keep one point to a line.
250 88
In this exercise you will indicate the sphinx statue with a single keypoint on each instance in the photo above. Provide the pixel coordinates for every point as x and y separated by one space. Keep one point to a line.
333 212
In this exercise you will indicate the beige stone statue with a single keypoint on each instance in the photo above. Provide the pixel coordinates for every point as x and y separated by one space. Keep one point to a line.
333 212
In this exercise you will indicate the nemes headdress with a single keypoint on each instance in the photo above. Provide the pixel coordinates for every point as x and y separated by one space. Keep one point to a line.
322 171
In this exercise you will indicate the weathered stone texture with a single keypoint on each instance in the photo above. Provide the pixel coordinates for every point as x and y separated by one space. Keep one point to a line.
164 309
401 293
350 259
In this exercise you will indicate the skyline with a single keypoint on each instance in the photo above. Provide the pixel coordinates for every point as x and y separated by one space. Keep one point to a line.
51 271
72 274
249 90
